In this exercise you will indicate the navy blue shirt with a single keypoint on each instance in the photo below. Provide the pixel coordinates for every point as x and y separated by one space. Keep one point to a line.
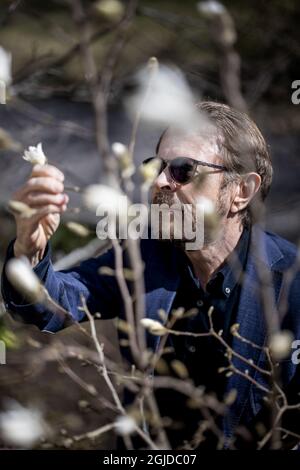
203 356
222 292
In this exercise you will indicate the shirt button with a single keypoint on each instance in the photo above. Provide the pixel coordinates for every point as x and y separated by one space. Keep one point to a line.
199 303
227 290
192 349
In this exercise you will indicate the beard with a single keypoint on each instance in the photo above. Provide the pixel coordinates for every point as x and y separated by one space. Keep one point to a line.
210 231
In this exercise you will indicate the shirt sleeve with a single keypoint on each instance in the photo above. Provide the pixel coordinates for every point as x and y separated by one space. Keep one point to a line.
66 287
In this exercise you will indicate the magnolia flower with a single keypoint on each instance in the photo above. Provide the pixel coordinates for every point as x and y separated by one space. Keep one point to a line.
35 155
99 196
125 425
155 327
211 7
5 67
24 280
20 426
280 344
22 209
167 99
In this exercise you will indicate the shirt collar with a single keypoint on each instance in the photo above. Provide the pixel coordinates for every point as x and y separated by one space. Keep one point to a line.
226 278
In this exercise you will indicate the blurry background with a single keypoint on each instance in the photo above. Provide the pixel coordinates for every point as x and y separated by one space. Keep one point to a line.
244 53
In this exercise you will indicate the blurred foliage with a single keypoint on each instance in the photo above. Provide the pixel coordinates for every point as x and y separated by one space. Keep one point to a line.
173 31
65 240
7 336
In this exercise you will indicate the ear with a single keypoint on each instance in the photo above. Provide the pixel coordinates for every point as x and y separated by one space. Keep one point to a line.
245 191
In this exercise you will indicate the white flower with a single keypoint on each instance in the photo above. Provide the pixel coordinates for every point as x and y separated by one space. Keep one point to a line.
167 99
155 327
280 344
211 7
21 427
5 66
125 425
99 196
24 280
35 155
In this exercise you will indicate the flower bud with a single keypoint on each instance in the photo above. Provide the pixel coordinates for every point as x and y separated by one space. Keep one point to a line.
24 280
21 209
124 158
78 229
113 10
154 326
119 149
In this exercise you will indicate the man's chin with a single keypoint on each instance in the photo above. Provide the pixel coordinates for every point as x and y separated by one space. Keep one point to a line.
170 238
184 242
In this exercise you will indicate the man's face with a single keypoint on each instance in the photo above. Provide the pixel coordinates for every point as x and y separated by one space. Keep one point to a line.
203 148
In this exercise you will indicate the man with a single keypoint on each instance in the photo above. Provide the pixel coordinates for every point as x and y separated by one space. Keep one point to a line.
234 271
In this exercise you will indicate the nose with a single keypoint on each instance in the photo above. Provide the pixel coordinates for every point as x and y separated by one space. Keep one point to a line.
164 181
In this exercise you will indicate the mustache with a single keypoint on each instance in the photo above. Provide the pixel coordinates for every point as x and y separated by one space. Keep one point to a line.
163 197
166 197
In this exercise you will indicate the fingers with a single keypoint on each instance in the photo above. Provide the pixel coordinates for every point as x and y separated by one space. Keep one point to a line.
43 211
45 184
35 199
47 170
44 178
44 191
49 209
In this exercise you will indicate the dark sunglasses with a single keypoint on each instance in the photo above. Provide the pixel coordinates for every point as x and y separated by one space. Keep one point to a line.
183 169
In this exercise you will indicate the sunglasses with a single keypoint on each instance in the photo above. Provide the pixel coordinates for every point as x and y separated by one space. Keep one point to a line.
183 169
